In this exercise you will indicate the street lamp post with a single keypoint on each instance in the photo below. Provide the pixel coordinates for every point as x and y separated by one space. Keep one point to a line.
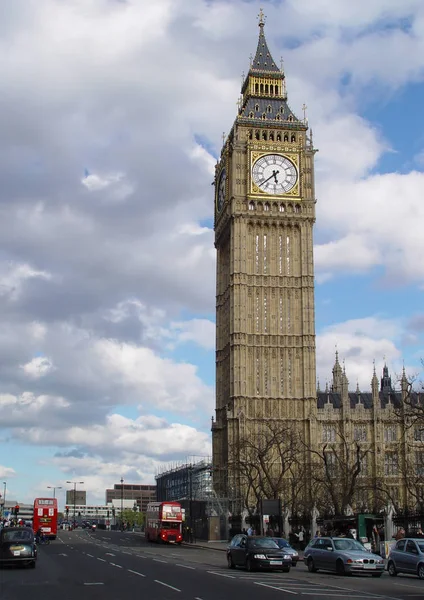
74 483
54 488
122 502
4 497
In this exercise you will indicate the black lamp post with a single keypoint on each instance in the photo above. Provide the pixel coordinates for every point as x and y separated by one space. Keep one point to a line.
75 483
122 502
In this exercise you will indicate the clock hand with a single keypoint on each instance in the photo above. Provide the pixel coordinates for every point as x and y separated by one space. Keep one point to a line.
274 174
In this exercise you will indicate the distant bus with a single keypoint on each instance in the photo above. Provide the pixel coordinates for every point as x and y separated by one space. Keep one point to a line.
45 516
164 521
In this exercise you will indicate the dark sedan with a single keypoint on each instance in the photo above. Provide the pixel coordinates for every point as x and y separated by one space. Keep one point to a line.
254 552
17 546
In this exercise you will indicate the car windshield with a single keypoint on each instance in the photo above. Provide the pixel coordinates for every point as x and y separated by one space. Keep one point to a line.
282 543
262 543
24 535
348 544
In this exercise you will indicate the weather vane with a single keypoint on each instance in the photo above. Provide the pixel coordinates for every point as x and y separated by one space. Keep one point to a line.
304 108
261 17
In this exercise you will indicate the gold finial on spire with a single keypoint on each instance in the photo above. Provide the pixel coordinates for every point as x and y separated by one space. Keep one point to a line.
223 137
261 17
240 102
304 108
281 64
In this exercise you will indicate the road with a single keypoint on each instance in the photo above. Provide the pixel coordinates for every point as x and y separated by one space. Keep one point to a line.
109 565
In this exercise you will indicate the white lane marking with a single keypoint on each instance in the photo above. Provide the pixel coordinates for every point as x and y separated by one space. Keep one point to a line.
221 574
114 565
414 587
109 554
185 566
102 559
90 555
167 585
197 598
129 553
94 583
274 587
158 560
136 573
62 554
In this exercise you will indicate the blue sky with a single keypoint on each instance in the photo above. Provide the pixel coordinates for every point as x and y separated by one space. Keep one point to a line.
107 265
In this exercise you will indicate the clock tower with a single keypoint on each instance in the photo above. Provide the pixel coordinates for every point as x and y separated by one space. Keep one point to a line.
264 216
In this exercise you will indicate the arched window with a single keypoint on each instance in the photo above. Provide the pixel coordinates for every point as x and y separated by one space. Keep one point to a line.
277 117
271 89
282 110
269 108
297 208
250 135
257 135
281 208
293 138
256 107
278 137
264 135
290 118
264 115
266 207
271 136
256 87
266 89
276 90
286 137
251 206
262 88
251 115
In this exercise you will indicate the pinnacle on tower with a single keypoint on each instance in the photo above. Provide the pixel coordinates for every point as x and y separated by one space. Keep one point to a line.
263 60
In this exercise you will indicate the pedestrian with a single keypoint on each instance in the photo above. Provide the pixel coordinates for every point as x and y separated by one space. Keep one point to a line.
250 530
400 534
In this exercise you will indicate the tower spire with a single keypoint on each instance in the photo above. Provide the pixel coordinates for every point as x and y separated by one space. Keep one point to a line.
263 60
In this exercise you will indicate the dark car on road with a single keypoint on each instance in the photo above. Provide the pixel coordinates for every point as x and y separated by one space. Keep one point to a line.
255 552
407 557
284 545
17 546
345 556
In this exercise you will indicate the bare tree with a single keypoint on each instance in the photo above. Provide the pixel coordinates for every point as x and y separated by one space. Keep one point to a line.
336 468
268 464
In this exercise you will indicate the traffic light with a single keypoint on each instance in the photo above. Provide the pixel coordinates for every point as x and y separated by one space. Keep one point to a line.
16 510
67 510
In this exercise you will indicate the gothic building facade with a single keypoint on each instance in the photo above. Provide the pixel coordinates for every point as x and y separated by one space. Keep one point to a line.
265 314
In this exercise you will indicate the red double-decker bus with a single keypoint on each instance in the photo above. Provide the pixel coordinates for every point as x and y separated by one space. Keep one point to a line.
45 516
164 522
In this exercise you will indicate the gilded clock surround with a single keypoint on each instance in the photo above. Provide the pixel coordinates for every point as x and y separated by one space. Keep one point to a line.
292 157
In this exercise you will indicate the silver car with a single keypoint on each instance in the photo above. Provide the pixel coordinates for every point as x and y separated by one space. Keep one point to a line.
407 557
342 555
284 545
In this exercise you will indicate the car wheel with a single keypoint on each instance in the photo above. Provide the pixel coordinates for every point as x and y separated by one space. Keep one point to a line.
340 568
286 569
231 565
249 565
32 564
420 571
392 569
294 564
311 566
377 574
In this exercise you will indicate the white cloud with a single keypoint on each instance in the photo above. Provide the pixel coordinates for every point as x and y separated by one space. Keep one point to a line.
14 276
38 367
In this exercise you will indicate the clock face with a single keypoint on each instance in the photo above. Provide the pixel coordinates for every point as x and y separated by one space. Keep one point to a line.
220 194
274 174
